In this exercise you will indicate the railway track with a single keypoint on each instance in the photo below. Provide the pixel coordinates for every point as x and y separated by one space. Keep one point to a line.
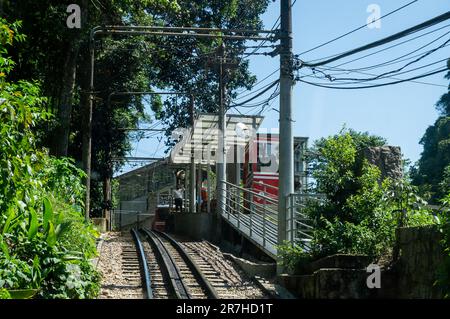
158 266
135 267
223 275
185 279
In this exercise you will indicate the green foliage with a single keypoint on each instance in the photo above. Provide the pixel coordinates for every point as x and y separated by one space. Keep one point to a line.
55 54
431 173
292 257
444 185
443 274
45 242
4 294
360 212
408 208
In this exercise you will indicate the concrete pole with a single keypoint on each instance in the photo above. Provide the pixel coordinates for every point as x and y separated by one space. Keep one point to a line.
220 164
286 144
192 168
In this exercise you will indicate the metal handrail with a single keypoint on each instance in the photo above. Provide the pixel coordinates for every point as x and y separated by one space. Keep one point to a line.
265 185
246 208
255 219
251 192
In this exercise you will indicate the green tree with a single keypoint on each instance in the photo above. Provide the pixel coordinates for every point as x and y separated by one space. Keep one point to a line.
429 172
360 212
59 58
348 220
45 244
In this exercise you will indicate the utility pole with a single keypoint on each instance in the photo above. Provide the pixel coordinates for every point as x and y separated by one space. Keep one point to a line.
220 163
192 169
286 144
222 64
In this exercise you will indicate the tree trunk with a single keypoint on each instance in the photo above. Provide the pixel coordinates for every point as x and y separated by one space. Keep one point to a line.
107 198
66 101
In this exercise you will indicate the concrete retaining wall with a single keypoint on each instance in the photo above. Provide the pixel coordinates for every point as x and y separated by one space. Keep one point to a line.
420 257
411 277
252 269
194 225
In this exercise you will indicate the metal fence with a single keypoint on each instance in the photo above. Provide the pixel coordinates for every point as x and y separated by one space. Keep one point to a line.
299 225
255 214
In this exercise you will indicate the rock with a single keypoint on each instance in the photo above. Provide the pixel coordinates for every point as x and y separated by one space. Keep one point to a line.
387 158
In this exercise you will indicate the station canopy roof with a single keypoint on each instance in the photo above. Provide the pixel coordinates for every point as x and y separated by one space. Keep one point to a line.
202 139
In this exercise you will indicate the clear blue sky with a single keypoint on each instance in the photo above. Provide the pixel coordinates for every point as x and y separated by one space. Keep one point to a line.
400 113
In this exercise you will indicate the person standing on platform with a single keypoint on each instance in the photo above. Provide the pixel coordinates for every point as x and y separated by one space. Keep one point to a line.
178 196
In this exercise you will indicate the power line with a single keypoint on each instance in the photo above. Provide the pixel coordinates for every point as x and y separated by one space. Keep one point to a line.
398 44
252 92
257 95
357 81
399 35
359 28
359 70
258 82
371 74
376 85
275 26
384 75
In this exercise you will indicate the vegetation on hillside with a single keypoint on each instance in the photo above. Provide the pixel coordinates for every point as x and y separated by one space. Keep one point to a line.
45 243
360 211
59 58
432 172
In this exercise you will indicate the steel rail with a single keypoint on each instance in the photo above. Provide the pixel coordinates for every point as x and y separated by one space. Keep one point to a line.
169 267
199 276
143 261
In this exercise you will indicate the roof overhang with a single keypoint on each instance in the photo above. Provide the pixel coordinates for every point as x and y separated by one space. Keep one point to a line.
203 139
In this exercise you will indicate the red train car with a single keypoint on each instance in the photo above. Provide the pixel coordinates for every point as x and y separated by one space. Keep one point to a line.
261 166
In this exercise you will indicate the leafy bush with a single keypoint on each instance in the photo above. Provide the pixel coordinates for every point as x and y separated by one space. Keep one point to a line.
292 257
45 244
4 294
360 214
443 275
